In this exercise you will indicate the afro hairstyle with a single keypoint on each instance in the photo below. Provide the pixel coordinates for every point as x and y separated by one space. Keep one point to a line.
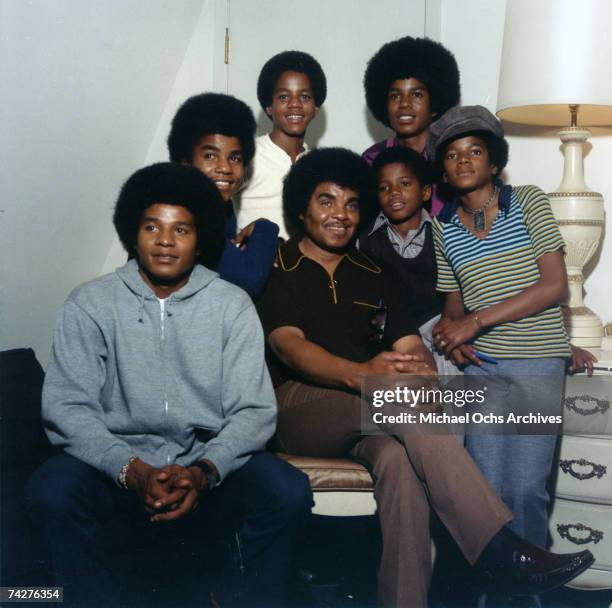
210 114
172 184
337 165
497 147
421 58
421 168
290 61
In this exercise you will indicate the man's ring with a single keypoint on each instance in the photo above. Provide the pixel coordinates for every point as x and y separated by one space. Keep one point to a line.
443 343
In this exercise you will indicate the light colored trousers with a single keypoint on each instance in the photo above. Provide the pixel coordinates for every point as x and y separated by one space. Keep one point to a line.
412 473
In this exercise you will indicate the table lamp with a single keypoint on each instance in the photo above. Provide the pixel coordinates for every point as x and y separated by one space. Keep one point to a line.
556 70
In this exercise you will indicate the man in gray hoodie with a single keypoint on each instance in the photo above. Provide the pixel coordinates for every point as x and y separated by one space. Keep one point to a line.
158 395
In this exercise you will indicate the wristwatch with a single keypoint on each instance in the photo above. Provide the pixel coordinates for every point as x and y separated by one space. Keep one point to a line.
210 473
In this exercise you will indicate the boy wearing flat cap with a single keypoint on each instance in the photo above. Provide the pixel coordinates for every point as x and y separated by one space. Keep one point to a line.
500 262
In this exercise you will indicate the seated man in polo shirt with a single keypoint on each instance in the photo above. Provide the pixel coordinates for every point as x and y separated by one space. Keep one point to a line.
317 314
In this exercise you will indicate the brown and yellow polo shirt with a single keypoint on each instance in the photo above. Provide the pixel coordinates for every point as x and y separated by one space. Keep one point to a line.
335 312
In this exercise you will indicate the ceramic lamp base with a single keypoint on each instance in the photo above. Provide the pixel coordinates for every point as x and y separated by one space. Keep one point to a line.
580 214
583 326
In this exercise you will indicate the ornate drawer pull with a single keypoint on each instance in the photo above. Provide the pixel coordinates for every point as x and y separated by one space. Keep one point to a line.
594 535
571 403
597 470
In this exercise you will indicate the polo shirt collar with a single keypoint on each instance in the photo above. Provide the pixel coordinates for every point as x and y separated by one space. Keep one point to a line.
278 151
382 220
290 257
505 192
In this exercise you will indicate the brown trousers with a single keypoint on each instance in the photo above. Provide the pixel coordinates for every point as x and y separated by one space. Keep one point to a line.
410 472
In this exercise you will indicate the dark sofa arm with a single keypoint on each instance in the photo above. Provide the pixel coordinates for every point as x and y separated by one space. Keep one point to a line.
23 447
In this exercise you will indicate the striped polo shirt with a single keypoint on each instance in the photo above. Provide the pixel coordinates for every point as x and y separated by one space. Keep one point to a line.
491 270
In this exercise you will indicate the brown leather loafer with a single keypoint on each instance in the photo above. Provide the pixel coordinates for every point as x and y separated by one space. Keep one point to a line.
512 565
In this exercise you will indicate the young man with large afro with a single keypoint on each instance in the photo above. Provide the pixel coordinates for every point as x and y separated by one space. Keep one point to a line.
173 185
216 134
410 83
156 393
291 88
206 114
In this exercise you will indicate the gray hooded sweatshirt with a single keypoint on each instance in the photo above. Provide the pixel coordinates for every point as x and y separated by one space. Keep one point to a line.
124 381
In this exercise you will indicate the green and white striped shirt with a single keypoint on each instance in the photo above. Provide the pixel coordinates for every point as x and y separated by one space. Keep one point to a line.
491 270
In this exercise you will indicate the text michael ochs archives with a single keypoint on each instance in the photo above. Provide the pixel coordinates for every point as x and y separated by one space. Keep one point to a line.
405 405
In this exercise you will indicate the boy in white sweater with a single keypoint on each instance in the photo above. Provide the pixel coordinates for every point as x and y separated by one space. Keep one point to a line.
291 88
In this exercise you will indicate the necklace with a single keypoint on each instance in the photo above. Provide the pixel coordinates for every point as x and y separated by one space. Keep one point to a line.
480 219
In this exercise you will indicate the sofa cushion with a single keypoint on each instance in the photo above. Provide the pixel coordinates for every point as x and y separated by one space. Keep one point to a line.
332 474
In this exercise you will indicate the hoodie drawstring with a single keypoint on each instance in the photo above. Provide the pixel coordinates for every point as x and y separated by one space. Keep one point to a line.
141 309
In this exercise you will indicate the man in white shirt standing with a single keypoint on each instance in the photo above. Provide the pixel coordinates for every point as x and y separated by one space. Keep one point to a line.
291 88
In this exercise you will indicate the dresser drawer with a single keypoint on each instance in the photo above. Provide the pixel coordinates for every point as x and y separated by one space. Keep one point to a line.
585 469
587 407
575 526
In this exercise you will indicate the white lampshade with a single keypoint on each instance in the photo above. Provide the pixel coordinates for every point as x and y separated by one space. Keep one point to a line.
556 53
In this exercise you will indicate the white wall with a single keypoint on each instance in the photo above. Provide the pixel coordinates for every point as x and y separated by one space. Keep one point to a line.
195 74
84 84
474 32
